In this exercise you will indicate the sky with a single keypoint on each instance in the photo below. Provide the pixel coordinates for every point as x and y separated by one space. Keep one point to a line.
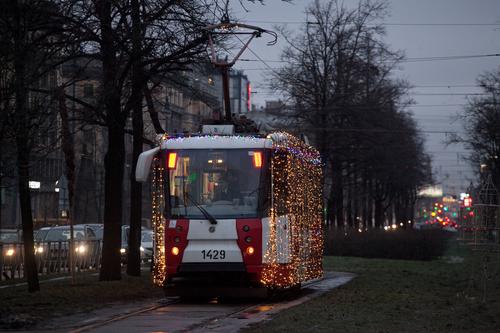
420 28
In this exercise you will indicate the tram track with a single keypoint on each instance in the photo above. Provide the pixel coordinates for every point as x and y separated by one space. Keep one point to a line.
215 315
116 318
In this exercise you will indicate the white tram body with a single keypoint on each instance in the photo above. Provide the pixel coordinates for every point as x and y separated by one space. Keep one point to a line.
239 209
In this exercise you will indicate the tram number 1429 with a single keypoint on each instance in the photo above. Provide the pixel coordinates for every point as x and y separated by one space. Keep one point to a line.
213 254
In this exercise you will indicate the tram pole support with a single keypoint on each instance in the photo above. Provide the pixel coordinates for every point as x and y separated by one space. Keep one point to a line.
227 98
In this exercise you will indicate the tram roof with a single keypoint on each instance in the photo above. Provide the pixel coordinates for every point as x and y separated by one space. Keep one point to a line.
217 142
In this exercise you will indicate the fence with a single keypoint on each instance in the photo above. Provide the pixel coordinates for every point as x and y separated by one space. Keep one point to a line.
51 257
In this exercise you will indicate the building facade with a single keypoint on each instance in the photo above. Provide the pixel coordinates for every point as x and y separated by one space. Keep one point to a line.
181 104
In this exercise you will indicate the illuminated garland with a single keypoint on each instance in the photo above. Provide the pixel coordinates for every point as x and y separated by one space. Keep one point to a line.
297 193
159 261
221 138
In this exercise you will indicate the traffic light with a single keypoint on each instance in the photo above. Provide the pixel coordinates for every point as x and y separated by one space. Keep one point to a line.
468 202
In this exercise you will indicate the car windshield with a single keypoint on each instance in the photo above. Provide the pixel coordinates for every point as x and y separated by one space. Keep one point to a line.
99 232
147 237
223 182
40 234
60 235
9 237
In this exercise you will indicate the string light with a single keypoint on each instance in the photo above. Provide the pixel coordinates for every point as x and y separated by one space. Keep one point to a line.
294 250
297 194
160 263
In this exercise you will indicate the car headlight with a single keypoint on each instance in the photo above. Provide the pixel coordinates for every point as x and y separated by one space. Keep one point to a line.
142 249
80 249
122 250
10 252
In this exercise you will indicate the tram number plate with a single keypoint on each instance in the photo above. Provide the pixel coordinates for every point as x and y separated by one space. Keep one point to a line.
213 254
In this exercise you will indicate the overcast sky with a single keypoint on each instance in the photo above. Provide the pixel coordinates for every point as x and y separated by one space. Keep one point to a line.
421 28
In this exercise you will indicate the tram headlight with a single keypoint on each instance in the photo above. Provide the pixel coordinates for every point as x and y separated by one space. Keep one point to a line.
248 239
250 250
246 228
177 239
9 253
38 249
142 249
175 251
122 250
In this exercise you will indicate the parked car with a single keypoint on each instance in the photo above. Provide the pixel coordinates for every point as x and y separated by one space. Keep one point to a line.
10 247
146 247
10 236
52 244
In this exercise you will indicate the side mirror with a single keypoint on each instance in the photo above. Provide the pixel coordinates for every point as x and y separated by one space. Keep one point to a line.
144 164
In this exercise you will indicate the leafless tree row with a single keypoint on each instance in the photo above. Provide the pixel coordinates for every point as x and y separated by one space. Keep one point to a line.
338 79
481 119
134 43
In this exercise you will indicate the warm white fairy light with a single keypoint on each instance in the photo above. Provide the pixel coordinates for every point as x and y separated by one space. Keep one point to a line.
159 270
297 193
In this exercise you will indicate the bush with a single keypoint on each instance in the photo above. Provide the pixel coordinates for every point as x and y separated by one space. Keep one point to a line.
399 244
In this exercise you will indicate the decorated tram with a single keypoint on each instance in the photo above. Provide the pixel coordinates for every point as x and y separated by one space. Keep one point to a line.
234 211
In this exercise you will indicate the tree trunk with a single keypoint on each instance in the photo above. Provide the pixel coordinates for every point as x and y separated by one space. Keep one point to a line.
379 213
338 194
364 202
1 183
134 254
330 208
23 153
349 207
115 156
113 204
26 217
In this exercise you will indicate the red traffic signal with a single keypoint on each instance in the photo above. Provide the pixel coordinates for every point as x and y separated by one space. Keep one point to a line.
468 202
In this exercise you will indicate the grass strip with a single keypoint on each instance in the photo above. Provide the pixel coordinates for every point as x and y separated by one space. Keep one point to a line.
400 296
19 309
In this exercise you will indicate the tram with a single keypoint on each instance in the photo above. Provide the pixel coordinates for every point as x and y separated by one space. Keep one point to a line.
234 211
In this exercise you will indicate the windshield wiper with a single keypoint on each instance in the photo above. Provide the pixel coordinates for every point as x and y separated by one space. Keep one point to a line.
207 215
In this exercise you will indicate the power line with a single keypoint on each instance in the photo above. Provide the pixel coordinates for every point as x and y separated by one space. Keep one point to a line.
447 94
455 57
255 54
408 60
448 86
381 130
415 59
451 24
451 85
410 93
433 105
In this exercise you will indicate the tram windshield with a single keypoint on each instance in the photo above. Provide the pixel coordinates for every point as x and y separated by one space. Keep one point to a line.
226 183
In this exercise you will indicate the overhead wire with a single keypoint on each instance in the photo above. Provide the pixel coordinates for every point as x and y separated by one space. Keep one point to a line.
268 67
414 59
451 24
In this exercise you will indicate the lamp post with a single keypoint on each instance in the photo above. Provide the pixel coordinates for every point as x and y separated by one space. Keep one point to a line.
64 211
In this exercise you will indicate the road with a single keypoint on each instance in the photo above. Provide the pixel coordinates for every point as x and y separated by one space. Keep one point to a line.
172 315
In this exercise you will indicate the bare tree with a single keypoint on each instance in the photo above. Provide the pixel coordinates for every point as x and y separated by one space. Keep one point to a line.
337 77
134 41
30 47
481 120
